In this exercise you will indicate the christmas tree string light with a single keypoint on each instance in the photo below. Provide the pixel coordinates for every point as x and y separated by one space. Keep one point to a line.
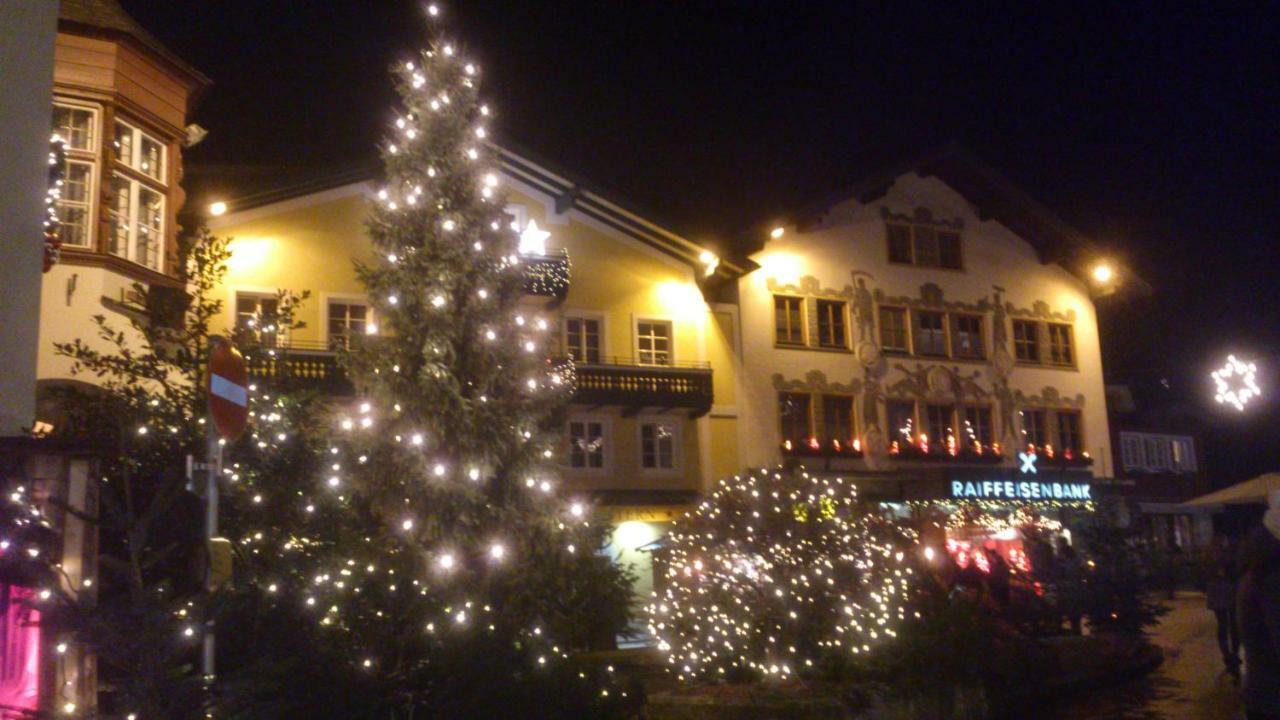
775 571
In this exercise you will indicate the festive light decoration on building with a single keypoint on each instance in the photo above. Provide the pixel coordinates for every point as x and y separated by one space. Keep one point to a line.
774 571
1236 383
52 238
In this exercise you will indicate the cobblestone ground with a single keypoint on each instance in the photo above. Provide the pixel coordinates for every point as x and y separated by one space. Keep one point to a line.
1191 684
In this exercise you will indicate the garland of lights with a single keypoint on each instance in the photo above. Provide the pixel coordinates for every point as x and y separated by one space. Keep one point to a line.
52 236
774 571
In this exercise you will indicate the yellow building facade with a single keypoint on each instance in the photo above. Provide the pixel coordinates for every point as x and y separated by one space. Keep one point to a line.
653 421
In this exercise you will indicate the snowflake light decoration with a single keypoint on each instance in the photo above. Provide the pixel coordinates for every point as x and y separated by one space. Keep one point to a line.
1236 383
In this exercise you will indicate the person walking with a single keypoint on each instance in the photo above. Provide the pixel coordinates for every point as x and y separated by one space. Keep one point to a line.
1259 612
1070 584
1220 592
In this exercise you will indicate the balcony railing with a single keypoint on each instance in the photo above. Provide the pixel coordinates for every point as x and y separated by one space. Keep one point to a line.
547 275
310 366
623 382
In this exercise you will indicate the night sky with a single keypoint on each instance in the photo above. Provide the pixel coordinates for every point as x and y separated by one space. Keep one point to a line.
1152 127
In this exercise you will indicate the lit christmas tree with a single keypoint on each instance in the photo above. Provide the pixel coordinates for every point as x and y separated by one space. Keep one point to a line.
777 573
425 535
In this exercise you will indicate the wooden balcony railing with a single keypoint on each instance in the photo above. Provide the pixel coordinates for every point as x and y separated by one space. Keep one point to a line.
300 366
622 382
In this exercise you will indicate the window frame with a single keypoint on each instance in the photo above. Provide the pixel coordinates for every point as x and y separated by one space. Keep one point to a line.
823 433
280 339
839 319
330 299
585 317
676 447
90 156
134 163
980 335
902 313
949 422
916 314
1078 432
802 319
606 444
1044 429
962 418
1035 342
918 233
809 419
671 341
894 434
1067 331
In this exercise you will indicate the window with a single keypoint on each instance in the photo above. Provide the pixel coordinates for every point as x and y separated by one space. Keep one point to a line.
900 243
788 318
938 424
949 250
977 427
837 420
582 339
256 316
76 127
586 444
137 221
1060 350
831 332
793 410
901 418
653 342
966 336
893 329
346 319
924 245
1034 431
1026 341
139 151
658 446
75 201
930 333
1069 438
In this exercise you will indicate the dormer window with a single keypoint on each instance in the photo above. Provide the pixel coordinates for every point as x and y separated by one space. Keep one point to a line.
924 245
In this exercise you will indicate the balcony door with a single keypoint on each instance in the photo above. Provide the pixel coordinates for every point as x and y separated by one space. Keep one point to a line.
653 342
257 317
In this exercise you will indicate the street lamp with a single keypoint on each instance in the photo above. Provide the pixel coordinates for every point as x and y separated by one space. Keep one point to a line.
217 208
1103 273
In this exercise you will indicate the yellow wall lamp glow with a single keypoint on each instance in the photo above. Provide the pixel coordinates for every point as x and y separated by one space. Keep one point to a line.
248 254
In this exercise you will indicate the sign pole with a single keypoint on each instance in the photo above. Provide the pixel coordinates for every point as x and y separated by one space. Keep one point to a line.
214 469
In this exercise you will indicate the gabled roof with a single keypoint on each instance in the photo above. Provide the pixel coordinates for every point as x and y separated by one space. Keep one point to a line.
106 17
567 194
994 196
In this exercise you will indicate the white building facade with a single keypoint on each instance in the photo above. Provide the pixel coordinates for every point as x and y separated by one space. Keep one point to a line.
907 334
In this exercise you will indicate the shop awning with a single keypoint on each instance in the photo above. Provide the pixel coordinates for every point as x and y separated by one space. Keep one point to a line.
1249 492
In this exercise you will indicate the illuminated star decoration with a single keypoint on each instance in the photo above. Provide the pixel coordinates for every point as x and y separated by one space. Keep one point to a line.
533 241
1236 383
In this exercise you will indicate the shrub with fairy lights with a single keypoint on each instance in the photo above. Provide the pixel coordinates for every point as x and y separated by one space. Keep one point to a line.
776 572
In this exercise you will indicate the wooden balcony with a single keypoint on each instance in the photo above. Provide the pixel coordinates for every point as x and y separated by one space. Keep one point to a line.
300 366
622 382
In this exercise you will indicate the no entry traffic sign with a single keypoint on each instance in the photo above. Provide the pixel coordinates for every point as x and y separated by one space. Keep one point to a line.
228 389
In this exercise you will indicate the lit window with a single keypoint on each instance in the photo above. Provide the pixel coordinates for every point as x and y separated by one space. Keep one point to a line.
1060 346
893 329
75 202
653 342
257 318
582 339
788 318
75 126
137 222
966 336
139 151
831 328
586 444
797 422
658 446
346 320
1026 341
930 333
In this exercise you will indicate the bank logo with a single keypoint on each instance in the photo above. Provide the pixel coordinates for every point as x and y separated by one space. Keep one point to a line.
1028 462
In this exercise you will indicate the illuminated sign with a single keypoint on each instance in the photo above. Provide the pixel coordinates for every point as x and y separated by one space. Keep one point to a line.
1019 490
